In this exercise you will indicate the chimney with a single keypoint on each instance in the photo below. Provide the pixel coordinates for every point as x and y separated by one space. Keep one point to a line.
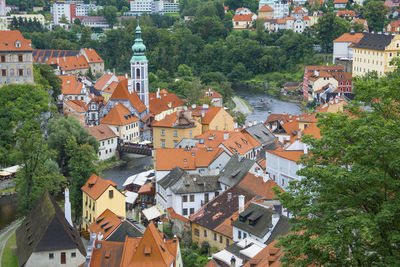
275 219
305 149
203 114
205 106
126 75
250 124
67 207
229 196
233 261
158 93
194 106
241 203
226 136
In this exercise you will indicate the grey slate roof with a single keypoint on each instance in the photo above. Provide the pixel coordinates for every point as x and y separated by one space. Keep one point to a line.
235 170
261 133
181 182
126 229
46 229
374 41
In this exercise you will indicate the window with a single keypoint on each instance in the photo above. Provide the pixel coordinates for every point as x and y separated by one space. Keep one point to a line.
184 212
220 239
3 72
227 242
175 133
163 143
196 232
63 258
3 58
73 254
205 233
51 256
244 235
191 198
20 58
111 193
206 198
175 143
21 72
283 182
216 127
191 210
190 133
240 234
215 236
162 132
185 198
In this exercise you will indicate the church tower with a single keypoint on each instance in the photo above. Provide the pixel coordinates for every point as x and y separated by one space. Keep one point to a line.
139 69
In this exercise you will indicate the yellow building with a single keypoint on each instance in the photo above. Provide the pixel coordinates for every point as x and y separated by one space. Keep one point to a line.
170 130
213 118
29 17
15 58
374 52
97 196
163 103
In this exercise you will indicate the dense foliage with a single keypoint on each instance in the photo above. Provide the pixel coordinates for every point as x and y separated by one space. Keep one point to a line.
347 206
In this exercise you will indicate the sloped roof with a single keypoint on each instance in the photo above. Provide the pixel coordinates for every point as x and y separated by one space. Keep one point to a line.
119 115
213 138
106 223
103 81
240 143
346 13
177 119
95 186
257 186
340 1
9 40
175 215
122 93
299 10
248 17
126 229
110 88
212 93
169 158
374 41
266 8
71 62
101 132
92 55
70 85
268 257
292 155
106 254
152 244
77 105
46 229
235 170
260 133
209 113
44 55
349 38
164 102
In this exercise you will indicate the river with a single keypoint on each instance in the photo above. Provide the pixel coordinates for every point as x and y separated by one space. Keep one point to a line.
262 104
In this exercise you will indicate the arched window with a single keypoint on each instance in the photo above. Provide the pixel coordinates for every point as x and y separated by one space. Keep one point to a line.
137 87
137 73
12 72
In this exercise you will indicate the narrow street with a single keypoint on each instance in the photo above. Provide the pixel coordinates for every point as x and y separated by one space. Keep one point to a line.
241 106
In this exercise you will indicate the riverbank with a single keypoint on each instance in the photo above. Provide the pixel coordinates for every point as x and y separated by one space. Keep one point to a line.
109 163
242 106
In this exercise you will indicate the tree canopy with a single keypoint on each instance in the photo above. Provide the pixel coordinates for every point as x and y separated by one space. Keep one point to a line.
346 207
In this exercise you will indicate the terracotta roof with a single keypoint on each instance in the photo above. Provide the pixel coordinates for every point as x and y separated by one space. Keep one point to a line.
169 158
286 154
281 21
70 85
151 250
106 254
209 113
248 17
323 67
240 143
111 87
306 18
349 38
258 187
299 10
77 105
342 76
147 189
70 63
266 8
312 129
92 55
213 138
9 41
346 13
106 223
122 77
177 216
340 1
178 119
211 263
99 85
164 102
289 18
394 24
268 257
95 186
119 115
122 93
213 94
101 132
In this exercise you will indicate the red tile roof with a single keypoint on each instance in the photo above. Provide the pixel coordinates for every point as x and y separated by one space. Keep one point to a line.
346 13
286 154
70 85
240 143
106 254
122 93
340 1
70 63
299 10
92 55
95 186
164 102
265 8
212 93
119 115
106 223
349 38
177 216
258 187
102 81
9 39
111 88
243 17
101 132
77 105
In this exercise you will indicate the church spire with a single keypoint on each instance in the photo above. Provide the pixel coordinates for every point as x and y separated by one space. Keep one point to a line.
138 47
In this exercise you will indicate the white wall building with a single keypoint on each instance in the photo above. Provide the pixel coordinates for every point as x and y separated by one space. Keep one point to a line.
108 141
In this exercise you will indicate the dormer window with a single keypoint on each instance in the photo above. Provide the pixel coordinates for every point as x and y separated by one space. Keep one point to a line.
17 44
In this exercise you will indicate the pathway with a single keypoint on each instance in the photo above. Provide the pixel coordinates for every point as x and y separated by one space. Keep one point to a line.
241 106
6 233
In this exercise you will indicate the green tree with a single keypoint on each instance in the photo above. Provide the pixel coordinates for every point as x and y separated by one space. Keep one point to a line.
193 92
45 76
59 131
375 13
184 71
86 35
239 117
64 19
330 27
110 14
346 207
